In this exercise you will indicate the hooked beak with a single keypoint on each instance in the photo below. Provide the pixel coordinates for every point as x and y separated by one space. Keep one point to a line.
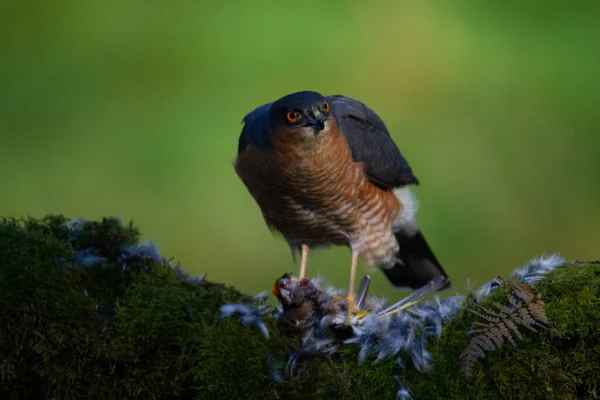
317 122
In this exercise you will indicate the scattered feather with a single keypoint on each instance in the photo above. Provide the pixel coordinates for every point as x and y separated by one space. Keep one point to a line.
274 371
538 267
421 357
400 363
533 271
88 258
403 390
182 275
262 296
449 307
249 315
147 249
311 346
486 289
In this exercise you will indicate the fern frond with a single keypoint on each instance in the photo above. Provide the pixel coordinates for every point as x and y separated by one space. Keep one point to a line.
513 327
474 351
532 298
526 309
468 359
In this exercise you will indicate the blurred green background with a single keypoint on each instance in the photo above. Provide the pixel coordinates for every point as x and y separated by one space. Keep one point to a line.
134 109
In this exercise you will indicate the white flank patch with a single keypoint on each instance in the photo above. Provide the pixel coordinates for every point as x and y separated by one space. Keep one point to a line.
406 220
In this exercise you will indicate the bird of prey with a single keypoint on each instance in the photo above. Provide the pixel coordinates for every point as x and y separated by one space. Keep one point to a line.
324 171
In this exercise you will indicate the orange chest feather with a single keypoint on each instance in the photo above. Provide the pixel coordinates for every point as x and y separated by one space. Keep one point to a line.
304 170
314 180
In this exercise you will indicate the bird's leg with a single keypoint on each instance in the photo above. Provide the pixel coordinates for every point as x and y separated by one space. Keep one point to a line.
350 298
305 250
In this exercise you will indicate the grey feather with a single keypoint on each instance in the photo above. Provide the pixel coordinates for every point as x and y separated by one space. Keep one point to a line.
370 143
256 125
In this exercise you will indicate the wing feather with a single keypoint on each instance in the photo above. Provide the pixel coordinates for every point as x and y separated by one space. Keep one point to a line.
256 123
371 144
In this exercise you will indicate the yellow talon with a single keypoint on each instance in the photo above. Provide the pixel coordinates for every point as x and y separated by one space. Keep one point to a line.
405 306
352 309
361 314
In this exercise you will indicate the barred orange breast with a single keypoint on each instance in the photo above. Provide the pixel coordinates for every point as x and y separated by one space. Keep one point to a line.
311 191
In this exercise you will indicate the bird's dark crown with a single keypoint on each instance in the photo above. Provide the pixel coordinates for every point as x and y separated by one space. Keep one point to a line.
298 101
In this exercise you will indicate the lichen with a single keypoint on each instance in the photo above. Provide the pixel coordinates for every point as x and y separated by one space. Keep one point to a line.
89 312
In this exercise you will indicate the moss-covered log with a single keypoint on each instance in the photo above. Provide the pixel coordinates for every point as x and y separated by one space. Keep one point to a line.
86 312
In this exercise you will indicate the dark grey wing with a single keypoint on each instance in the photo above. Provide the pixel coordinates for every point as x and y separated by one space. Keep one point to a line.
370 143
256 129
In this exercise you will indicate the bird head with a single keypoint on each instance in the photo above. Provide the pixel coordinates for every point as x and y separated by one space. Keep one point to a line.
292 291
305 113
283 289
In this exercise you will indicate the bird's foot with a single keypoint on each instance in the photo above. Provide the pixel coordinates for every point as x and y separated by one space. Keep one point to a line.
336 297
352 309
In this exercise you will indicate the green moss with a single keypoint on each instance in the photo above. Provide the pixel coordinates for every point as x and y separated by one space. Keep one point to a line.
129 328
560 363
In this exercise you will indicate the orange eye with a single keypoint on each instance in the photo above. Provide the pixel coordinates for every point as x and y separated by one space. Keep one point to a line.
325 106
293 116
